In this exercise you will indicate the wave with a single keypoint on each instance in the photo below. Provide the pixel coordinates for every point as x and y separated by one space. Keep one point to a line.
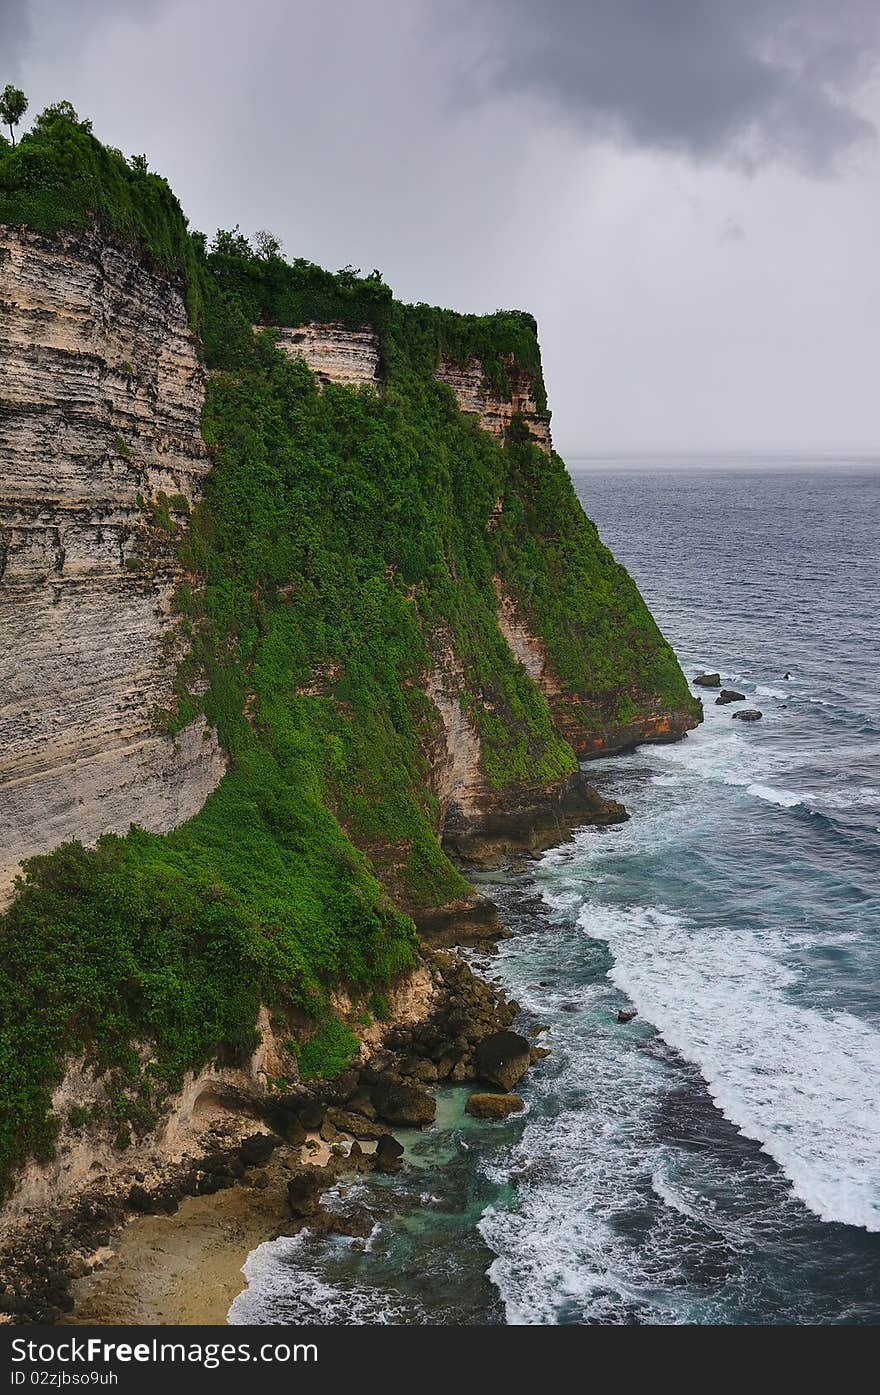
797 1080
560 1254
786 799
284 1288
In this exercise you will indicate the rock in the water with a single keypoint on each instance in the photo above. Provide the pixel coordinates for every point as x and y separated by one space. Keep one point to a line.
389 1154
748 714
729 695
356 1220
502 1059
404 1102
626 1014
486 1106
258 1149
304 1190
708 680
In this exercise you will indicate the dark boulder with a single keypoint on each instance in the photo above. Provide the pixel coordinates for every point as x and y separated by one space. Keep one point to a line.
344 1086
305 1109
356 1220
139 1199
708 680
502 1059
258 1149
358 1160
404 1102
288 1126
311 1116
389 1154
329 1131
729 695
304 1190
217 1181
748 714
486 1106
356 1124
626 1014
421 1069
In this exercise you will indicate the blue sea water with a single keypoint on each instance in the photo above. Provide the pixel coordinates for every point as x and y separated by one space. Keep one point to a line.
718 1159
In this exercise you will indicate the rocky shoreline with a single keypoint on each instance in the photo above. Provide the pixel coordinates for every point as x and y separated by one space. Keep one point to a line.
79 1262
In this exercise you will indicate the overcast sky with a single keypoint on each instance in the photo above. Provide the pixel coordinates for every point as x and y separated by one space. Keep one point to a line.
686 193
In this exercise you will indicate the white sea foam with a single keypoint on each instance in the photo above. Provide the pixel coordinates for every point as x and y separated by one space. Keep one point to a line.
283 1287
716 753
786 799
586 1161
852 797
800 1081
559 1252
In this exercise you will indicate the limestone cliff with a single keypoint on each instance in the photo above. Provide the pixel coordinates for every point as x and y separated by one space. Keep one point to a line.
387 603
654 720
481 823
101 392
333 352
494 413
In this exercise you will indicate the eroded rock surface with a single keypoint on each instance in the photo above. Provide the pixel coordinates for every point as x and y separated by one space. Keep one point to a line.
494 413
334 353
101 456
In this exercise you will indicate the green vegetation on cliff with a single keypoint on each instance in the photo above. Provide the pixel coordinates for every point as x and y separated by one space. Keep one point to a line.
341 540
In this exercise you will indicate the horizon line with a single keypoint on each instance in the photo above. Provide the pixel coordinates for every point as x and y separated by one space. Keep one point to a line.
842 454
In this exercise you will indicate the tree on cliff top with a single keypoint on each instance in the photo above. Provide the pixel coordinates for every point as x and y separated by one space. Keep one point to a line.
266 244
13 105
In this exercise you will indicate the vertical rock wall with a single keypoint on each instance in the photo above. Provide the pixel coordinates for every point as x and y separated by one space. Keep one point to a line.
101 394
493 413
334 353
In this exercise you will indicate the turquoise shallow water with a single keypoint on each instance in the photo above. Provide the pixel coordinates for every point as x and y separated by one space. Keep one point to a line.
717 1160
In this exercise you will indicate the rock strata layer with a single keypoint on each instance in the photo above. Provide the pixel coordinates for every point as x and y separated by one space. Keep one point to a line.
582 717
101 457
334 353
494 413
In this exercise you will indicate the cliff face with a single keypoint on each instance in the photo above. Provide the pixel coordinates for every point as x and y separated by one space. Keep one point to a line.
476 820
333 352
655 719
403 629
102 393
494 413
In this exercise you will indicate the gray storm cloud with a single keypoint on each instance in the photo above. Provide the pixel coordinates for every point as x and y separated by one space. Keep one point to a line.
23 24
745 80
638 173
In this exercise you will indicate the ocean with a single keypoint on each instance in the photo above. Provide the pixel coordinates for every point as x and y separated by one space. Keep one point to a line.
716 1160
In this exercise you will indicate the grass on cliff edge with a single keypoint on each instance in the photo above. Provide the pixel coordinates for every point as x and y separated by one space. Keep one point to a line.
340 533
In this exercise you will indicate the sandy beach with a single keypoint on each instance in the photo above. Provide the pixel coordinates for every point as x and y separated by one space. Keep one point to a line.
187 1268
